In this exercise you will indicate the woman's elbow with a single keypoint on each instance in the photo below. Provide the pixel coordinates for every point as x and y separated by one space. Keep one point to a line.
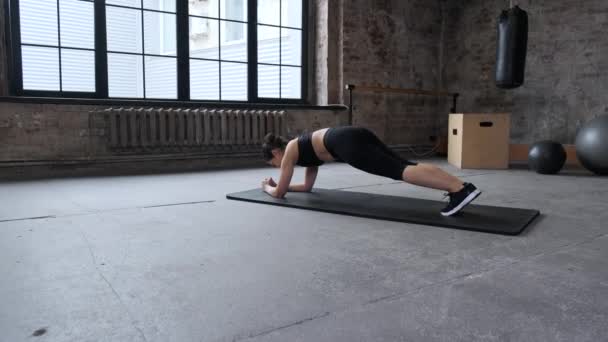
307 186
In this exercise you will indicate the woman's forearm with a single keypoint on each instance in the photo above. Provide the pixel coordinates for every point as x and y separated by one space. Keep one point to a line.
298 188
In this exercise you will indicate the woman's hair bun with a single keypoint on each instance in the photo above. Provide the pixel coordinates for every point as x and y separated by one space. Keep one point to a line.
270 139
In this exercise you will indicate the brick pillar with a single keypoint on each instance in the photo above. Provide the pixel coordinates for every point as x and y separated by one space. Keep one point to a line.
3 51
327 45
318 45
335 37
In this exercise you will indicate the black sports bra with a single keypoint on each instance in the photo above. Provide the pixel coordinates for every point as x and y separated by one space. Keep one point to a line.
307 155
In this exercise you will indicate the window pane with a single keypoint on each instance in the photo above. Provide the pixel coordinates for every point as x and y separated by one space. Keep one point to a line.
77 70
124 29
130 3
291 13
161 77
160 34
234 41
38 22
204 38
234 9
268 81
204 8
204 80
77 24
234 81
291 83
268 44
291 47
160 5
125 75
269 12
40 68
233 32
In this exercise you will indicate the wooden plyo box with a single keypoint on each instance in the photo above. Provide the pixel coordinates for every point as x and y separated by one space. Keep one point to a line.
479 141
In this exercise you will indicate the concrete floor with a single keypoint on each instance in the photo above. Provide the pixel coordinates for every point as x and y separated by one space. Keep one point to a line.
116 261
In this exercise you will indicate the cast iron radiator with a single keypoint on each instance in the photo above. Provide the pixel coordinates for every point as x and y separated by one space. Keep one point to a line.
190 128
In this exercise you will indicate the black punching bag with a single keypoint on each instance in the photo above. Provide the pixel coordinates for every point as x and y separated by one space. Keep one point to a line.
511 48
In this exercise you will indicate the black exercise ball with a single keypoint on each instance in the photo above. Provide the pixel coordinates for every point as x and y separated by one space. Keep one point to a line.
592 145
546 157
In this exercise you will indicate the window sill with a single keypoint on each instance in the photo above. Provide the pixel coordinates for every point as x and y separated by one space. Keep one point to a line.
164 103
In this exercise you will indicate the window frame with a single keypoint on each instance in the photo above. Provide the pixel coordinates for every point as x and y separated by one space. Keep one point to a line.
14 44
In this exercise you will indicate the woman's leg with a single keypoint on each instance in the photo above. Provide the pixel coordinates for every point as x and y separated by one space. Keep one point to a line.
430 176
426 175
363 150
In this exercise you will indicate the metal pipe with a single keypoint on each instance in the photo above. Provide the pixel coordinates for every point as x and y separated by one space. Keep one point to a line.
454 101
350 88
400 90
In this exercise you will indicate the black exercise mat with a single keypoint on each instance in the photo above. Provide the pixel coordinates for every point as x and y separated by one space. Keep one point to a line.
482 218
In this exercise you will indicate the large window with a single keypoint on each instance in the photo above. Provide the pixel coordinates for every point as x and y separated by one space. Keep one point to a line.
142 48
218 50
279 48
57 45
210 50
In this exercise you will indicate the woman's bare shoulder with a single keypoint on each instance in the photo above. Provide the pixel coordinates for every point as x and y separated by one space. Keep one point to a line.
291 150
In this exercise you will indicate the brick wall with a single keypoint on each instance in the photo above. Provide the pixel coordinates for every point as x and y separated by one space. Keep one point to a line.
394 43
49 132
566 71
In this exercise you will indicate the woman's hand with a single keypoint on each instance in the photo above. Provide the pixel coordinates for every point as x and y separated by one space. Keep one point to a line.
270 181
267 186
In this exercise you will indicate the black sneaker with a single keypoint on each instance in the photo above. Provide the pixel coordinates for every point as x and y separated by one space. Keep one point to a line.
460 199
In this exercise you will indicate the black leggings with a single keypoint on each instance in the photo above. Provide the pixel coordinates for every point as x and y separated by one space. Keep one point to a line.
361 148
